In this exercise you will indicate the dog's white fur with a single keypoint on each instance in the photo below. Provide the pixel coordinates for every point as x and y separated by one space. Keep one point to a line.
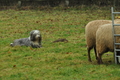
34 40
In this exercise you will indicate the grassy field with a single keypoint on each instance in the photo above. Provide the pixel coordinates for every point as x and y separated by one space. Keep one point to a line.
54 61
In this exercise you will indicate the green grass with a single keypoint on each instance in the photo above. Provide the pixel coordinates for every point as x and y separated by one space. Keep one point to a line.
55 61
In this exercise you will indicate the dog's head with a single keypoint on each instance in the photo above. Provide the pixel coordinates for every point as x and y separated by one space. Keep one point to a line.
35 37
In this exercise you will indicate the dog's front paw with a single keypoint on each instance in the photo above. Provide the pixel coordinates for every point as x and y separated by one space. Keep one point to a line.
35 46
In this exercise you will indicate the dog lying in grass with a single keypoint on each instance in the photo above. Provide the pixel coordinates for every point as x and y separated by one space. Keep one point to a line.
34 40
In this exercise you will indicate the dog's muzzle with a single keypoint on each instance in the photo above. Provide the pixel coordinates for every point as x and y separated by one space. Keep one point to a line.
37 36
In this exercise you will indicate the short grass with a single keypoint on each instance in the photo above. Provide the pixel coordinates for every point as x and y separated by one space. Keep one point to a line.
54 61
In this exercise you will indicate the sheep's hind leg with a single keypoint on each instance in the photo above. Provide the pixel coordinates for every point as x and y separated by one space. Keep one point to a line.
95 52
89 57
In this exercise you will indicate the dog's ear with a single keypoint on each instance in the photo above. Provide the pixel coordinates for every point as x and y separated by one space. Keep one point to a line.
40 39
31 35
32 32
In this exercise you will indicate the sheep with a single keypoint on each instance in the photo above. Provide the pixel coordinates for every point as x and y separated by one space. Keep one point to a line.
90 32
104 40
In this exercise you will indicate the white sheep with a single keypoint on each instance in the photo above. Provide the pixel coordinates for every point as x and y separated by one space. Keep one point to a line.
90 31
104 40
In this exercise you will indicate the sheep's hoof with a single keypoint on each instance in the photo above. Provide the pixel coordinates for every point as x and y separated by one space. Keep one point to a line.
96 58
100 62
90 60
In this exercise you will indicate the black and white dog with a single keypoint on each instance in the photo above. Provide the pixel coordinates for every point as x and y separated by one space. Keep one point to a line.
34 40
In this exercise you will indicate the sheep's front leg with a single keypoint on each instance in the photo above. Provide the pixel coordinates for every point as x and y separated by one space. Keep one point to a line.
99 58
